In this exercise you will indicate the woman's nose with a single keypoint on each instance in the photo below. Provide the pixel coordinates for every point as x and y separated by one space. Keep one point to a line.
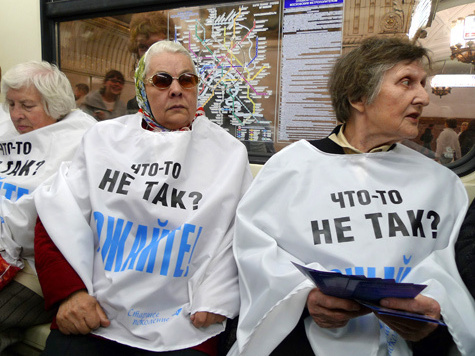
175 88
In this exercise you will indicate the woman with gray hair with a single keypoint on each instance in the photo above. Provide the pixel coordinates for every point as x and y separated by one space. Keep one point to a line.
140 225
42 84
48 129
358 203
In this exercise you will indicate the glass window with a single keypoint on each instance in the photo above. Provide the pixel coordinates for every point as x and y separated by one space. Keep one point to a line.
264 65
447 130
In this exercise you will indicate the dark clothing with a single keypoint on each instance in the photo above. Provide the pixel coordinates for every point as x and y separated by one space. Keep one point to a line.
466 140
20 308
296 343
427 138
80 345
465 250
132 106
93 103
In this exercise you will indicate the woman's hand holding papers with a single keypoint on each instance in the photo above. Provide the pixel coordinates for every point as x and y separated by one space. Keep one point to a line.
411 330
333 312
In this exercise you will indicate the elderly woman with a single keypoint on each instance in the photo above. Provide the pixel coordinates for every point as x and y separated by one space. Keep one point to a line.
143 217
105 103
48 130
356 202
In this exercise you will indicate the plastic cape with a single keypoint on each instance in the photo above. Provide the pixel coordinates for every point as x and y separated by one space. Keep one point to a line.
6 126
26 161
145 218
392 214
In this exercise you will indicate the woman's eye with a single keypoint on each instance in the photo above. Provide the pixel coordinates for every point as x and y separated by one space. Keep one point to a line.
406 82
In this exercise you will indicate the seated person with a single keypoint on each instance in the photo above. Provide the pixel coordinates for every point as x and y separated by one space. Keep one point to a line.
360 203
48 130
105 103
141 222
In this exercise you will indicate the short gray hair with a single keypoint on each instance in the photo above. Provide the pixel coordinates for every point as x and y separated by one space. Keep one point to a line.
166 47
359 73
54 87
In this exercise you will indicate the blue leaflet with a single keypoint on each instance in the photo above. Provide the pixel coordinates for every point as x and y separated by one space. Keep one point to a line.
366 291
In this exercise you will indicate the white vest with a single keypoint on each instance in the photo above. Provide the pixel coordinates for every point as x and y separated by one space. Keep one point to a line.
392 214
26 161
146 220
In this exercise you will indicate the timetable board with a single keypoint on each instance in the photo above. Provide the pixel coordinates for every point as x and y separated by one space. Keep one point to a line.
264 66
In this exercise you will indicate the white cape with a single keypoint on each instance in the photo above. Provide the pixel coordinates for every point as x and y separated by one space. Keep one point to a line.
392 214
26 161
146 220
6 126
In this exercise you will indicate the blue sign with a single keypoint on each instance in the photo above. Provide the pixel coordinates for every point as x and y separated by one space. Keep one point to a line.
300 3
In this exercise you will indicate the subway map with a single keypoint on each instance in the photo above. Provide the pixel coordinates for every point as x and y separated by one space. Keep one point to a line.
236 51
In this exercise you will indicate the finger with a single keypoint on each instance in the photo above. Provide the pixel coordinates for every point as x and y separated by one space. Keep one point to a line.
218 318
74 327
92 321
420 305
96 318
65 323
399 303
104 320
330 324
65 328
411 330
199 319
317 299
83 328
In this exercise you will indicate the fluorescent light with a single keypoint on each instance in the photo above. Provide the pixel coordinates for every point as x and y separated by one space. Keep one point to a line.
453 80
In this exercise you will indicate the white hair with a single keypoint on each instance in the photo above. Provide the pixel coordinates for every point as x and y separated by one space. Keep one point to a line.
166 47
54 87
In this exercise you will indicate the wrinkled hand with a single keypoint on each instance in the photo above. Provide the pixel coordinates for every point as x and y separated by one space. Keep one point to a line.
80 313
411 330
204 319
332 312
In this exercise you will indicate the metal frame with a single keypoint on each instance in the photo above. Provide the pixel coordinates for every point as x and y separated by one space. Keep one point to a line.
53 11
465 165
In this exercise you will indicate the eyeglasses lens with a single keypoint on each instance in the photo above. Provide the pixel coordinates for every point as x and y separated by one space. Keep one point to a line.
188 80
164 80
